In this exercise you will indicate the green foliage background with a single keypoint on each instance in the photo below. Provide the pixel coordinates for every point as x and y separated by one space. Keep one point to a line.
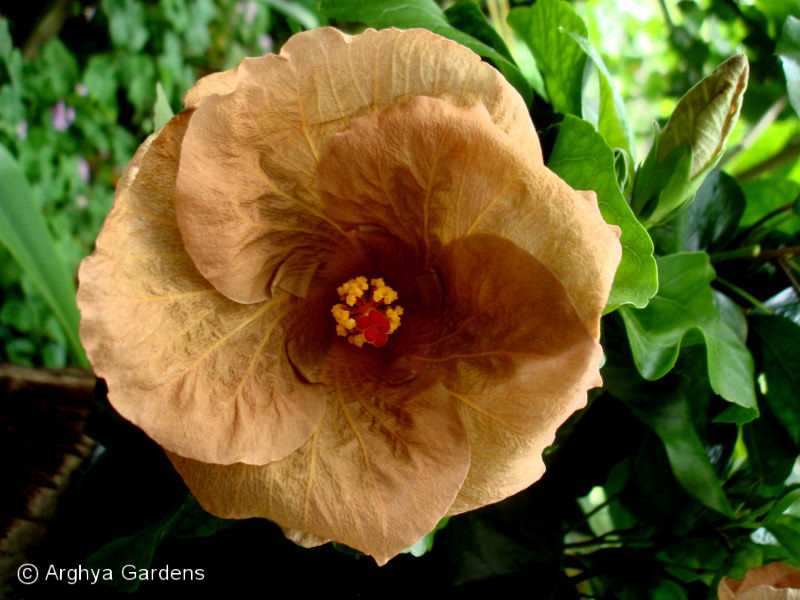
682 469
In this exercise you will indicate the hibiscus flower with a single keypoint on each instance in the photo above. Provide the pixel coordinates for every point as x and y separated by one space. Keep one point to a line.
344 293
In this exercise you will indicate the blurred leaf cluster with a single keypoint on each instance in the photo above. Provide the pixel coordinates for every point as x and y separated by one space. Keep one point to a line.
684 467
76 102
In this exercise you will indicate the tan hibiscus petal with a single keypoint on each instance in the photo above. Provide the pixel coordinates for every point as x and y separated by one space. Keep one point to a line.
430 172
202 375
246 202
380 471
775 581
515 356
220 83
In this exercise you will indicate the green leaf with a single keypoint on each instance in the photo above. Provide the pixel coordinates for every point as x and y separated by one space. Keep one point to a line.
669 416
673 408
544 28
667 590
662 187
685 302
767 195
709 222
694 559
583 159
778 340
770 450
785 303
162 112
24 232
468 17
188 521
137 549
427 14
612 121
786 529
788 50
305 17
126 23
425 544
138 71
790 503
714 214
745 556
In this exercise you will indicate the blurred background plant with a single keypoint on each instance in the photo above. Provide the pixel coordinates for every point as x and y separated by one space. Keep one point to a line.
681 470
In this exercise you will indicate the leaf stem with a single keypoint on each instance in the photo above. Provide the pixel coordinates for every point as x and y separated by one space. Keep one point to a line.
767 119
736 289
778 253
667 17
594 511
750 230
746 252
784 264
789 152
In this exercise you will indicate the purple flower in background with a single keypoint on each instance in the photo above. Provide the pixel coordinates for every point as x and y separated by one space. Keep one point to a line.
265 42
88 12
81 90
22 130
62 116
83 169
250 10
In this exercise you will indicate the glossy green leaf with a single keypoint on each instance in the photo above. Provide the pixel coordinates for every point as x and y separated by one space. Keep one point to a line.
788 50
137 549
745 555
778 339
612 118
694 559
662 187
714 214
407 14
467 16
425 544
294 10
770 450
789 503
786 529
126 23
667 408
667 590
583 159
188 521
669 416
685 302
708 222
162 112
24 232
544 28
768 195
785 303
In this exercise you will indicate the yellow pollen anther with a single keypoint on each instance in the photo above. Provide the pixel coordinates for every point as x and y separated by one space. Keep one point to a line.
351 290
366 319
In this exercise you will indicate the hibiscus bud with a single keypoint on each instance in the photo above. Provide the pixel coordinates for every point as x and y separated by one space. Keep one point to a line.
692 142
775 581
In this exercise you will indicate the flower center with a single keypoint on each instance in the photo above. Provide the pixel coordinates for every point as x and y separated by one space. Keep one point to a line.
362 318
